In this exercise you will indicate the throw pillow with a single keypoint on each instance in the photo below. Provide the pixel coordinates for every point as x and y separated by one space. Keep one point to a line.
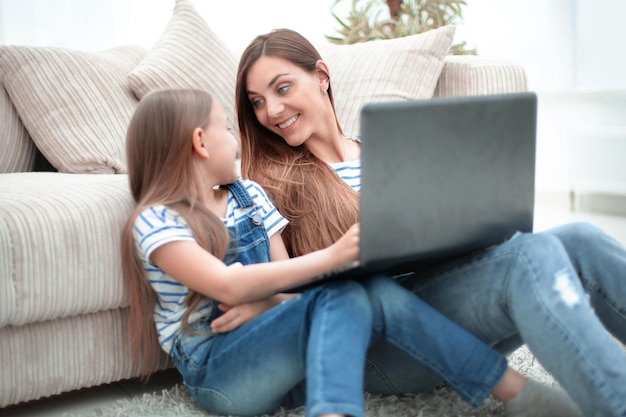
188 55
76 105
405 68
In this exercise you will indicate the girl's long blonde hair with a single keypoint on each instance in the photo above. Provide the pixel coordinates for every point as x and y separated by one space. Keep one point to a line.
161 171
320 206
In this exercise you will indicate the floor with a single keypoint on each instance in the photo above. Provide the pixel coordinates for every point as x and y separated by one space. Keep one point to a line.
85 401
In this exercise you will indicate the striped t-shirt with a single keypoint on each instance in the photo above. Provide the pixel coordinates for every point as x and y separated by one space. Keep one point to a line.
350 172
158 225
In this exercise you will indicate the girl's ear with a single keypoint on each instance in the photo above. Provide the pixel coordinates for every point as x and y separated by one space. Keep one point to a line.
199 143
323 73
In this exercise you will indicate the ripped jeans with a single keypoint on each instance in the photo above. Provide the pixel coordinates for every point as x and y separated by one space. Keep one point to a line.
541 289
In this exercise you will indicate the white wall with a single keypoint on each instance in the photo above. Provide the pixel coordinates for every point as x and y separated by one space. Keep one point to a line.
565 45
97 24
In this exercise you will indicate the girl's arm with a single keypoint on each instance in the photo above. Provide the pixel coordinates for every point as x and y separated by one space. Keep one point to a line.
235 316
199 270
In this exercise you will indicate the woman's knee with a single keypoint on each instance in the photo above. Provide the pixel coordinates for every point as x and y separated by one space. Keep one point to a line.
533 247
579 231
585 240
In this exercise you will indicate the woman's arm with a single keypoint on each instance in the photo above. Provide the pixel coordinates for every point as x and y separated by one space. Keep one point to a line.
199 270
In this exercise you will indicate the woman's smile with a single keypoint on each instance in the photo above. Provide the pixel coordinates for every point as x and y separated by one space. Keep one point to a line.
284 125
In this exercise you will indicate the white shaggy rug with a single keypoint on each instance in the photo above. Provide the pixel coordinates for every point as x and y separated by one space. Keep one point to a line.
443 402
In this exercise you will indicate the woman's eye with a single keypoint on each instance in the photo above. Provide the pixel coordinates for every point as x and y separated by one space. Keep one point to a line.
257 103
283 89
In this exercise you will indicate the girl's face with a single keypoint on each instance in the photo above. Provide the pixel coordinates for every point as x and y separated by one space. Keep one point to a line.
287 99
221 145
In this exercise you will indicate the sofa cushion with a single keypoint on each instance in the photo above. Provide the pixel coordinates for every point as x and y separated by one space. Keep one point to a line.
384 70
188 55
18 150
60 244
472 75
76 105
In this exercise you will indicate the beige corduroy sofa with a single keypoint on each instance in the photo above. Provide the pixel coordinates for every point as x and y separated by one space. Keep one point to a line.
63 190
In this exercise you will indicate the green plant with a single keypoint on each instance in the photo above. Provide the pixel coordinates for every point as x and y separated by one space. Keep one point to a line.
385 19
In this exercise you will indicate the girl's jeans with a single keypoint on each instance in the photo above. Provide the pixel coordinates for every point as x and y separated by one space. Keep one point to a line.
321 335
541 289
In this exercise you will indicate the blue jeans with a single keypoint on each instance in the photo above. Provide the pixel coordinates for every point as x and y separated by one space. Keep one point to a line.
429 338
322 335
561 292
470 366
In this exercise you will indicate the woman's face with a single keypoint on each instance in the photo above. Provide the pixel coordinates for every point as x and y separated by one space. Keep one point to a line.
287 99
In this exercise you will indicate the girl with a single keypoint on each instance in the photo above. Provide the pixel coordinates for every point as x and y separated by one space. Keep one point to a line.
180 151
196 252
533 289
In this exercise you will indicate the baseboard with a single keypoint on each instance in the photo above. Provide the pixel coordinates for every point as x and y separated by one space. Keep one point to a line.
553 198
598 202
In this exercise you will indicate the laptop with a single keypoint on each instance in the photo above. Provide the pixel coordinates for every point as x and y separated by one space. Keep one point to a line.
442 178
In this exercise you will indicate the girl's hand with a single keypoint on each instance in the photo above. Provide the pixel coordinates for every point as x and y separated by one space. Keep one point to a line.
235 316
346 249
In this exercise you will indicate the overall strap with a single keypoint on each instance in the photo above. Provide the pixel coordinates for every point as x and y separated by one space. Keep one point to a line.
241 194
249 243
244 201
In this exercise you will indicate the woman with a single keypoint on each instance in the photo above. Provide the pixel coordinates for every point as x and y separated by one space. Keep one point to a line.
540 289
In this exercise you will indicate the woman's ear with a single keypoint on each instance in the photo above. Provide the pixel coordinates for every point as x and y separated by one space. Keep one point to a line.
199 143
323 74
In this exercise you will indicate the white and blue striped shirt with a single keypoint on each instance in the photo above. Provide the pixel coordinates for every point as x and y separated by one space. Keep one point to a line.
350 172
158 225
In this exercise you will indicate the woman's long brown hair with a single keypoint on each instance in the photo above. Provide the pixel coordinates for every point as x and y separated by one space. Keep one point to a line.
160 171
320 206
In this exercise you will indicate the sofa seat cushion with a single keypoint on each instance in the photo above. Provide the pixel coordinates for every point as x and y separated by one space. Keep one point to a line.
60 244
76 105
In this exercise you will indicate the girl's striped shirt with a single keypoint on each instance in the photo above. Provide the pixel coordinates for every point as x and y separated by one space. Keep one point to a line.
158 225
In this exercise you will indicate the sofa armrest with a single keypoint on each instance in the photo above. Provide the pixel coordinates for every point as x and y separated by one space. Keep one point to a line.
468 75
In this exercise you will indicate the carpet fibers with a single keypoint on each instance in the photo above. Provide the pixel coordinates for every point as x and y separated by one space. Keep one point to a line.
175 401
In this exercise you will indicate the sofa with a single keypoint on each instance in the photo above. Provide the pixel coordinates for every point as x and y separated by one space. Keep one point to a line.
63 189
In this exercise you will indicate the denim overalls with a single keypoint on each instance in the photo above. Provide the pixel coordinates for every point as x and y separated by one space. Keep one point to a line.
249 243
249 240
